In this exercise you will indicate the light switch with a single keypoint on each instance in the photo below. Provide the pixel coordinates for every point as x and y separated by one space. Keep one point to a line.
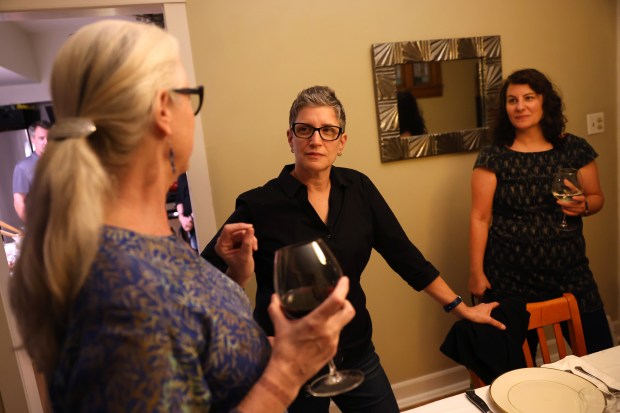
596 123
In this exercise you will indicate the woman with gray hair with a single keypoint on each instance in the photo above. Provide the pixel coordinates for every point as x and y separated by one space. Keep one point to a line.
312 199
118 313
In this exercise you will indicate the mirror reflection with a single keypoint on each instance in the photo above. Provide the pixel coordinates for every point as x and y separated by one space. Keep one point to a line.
435 96
457 94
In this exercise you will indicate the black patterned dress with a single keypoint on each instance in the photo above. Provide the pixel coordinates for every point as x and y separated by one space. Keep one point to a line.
526 254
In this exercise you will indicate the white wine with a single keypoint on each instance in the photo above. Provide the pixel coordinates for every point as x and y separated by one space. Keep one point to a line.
563 196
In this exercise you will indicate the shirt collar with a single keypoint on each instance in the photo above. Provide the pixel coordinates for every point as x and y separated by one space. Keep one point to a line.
291 185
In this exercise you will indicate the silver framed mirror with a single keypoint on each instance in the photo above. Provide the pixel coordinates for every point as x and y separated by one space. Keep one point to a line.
449 79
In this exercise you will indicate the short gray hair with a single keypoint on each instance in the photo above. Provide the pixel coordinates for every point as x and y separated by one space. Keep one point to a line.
316 96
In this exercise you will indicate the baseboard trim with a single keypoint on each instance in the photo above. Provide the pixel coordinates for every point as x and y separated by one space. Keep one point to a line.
423 389
434 386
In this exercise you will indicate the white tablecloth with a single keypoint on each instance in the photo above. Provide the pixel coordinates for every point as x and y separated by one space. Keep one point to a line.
607 361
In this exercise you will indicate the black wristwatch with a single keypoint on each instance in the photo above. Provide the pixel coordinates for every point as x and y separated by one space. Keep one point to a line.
450 306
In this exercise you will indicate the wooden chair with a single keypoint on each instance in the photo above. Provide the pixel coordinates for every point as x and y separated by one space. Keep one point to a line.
475 381
9 230
550 313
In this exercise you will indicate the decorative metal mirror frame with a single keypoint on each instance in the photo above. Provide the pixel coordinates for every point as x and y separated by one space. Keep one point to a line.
386 55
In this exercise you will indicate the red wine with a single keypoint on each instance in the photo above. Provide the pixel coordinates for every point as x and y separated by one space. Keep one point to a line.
300 301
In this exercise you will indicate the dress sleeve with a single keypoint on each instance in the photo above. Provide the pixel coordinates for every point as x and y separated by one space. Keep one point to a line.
583 152
391 241
486 159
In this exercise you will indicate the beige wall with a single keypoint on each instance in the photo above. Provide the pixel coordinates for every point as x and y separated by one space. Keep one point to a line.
254 56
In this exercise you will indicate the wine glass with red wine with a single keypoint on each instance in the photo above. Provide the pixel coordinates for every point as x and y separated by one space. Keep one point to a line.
305 274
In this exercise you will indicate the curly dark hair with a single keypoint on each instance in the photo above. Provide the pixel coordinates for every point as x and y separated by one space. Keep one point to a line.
553 119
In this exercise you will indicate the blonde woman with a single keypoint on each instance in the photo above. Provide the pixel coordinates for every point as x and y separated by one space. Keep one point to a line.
117 312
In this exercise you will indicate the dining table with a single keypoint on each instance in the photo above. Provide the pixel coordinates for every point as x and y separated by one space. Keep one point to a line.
605 361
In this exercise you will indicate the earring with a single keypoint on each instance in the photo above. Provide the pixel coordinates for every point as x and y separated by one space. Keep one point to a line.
171 156
339 153
292 150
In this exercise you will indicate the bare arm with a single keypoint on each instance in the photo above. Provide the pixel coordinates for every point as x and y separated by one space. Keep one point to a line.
483 184
481 313
592 192
19 202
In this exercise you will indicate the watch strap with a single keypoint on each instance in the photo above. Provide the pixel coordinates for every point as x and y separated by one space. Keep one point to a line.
450 306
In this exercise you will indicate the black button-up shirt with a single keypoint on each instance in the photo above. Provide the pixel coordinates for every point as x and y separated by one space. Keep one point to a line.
359 220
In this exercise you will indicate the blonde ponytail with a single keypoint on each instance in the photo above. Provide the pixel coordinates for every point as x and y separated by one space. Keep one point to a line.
65 215
107 73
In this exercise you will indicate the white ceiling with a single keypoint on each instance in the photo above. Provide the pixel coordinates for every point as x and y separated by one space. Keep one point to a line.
59 23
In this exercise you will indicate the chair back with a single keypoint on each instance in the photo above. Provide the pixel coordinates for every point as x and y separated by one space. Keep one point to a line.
552 313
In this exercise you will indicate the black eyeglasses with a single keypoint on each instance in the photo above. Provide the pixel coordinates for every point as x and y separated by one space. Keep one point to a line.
195 94
305 131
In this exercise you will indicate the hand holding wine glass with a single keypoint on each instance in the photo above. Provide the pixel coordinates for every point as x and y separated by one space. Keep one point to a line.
305 275
566 184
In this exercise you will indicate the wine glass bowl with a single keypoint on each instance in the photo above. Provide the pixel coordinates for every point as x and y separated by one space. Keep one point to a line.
305 274
597 400
566 184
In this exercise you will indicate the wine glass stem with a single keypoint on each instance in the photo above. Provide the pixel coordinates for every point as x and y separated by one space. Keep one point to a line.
564 225
333 371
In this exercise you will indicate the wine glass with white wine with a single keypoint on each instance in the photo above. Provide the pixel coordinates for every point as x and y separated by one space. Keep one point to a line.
305 274
566 184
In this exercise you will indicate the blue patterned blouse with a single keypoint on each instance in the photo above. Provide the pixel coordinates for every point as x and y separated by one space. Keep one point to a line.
155 328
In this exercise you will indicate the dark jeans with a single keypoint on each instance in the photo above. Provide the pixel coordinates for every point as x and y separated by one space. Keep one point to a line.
374 395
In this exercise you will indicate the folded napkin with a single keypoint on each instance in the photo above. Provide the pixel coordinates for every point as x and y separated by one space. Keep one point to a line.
570 362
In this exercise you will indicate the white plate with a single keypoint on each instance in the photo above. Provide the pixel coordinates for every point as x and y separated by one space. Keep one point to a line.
538 390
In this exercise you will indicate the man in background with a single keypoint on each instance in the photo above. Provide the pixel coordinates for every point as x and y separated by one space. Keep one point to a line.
184 209
23 173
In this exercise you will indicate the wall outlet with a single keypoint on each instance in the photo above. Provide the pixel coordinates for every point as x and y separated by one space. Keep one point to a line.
596 123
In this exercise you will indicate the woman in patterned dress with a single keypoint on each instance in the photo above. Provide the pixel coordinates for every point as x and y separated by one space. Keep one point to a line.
120 314
516 248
